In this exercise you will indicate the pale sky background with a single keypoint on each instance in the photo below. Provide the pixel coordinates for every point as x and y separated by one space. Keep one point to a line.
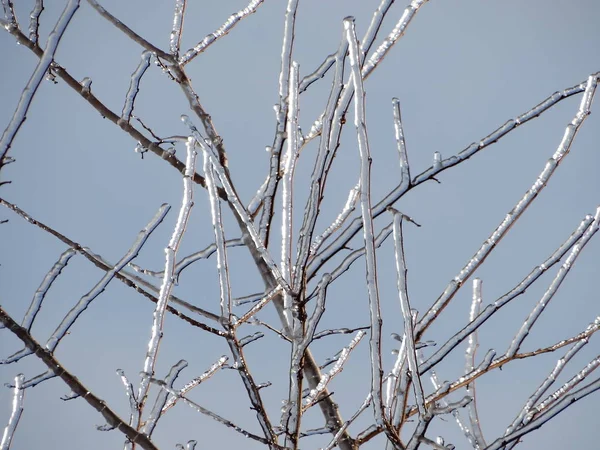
463 69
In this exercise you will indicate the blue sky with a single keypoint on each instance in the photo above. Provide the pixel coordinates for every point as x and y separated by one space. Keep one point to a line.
463 69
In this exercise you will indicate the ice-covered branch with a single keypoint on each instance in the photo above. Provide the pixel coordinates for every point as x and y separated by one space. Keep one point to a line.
38 298
211 414
562 273
161 398
355 226
84 302
178 17
319 176
133 411
580 341
559 407
37 76
129 32
290 157
219 232
315 393
472 345
185 262
281 111
168 280
15 415
367 218
407 314
134 87
74 384
224 29
238 207
491 309
34 22
9 12
531 194
195 382
334 442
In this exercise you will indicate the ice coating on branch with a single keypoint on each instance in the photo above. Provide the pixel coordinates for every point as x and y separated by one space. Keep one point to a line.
437 161
86 85
337 368
177 26
219 233
85 301
36 78
134 87
231 22
15 416
168 282
236 203
34 20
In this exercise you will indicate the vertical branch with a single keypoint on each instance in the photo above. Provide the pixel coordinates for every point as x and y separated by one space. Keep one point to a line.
282 108
289 163
15 415
365 204
409 336
134 87
401 144
319 174
34 23
169 276
472 345
178 16
218 228
34 82
244 218
291 311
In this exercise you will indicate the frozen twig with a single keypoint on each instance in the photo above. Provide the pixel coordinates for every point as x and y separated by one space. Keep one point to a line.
195 382
9 12
84 302
187 261
476 434
178 17
260 305
211 414
34 22
161 398
560 406
38 298
129 32
409 337
319 176
334 442
586 224
238 207
367 218
74 384
219 231
37 76
580 341
355 226
290 157
168 280
539 184
315 393
15 415
229 24
134 87
281 110
133 412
